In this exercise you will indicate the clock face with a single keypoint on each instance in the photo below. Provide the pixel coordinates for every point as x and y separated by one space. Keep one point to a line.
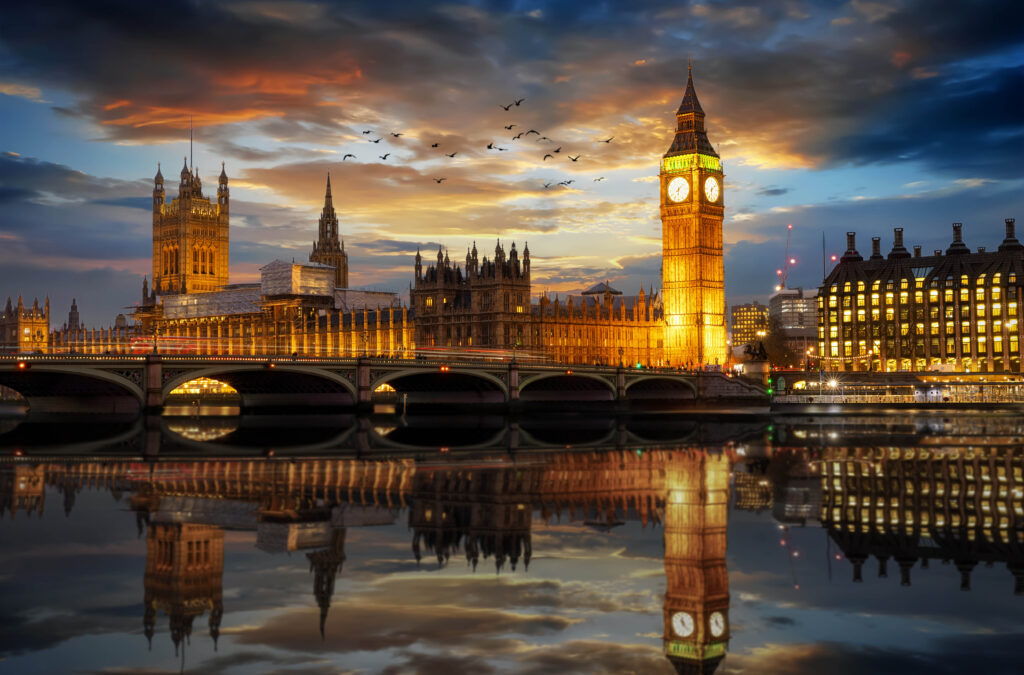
711 189
717 622
678 189
682 624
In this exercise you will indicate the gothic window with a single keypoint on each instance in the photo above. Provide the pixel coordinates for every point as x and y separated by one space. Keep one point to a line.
202 261
195 261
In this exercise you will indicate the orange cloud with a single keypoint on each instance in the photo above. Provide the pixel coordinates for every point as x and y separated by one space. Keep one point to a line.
181 119
282 84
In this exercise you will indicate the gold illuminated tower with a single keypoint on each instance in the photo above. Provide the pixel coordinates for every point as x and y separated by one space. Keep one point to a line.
696 604
190 236
692 210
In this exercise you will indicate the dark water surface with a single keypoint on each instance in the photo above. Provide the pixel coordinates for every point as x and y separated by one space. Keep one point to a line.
477 545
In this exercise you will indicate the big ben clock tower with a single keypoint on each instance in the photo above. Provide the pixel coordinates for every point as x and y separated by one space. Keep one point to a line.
692 210
696 604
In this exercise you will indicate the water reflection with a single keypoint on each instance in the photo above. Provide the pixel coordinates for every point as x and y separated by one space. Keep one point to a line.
909 505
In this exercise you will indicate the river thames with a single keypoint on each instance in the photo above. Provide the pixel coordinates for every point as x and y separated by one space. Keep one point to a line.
322 544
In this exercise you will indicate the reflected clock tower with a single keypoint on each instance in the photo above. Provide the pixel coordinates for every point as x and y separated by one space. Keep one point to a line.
692 210
696 604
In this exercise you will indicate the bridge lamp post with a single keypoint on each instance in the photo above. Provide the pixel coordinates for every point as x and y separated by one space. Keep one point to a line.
365 338
621 352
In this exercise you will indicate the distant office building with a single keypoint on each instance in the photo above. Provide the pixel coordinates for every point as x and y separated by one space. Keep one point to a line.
957 310
796 313
749 323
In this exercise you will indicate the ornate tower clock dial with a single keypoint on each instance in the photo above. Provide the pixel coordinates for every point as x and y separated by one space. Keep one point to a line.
682 624
711 189
678 189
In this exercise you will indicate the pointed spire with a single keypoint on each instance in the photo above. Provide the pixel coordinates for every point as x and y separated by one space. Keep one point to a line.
159 177
223 174
690 104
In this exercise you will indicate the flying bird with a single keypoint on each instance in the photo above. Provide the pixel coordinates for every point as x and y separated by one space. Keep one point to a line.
451 155
558 149
519 100
546 157
573 158
599 179
517 136
395 135
543 138
490 146
501 149
567 183
505 107
607 140
347 156
375 141
435 145
439 180
509 127
547 185
385 155
532 131
368 131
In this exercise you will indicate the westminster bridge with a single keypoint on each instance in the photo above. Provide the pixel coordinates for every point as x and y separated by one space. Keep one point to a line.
129 383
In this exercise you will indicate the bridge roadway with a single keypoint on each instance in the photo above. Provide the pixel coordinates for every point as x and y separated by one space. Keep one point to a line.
130 383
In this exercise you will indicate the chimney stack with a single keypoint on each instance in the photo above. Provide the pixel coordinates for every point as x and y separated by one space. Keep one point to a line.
981 249
938 251
851 248
876 248
898 250
1010 243
917 251
958 245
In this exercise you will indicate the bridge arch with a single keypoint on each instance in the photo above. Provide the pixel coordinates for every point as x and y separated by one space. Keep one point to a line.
454 385
74 388
252 381
556 385
655 384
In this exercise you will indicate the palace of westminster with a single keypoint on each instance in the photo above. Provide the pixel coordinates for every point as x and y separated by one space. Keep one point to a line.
307 308
955 310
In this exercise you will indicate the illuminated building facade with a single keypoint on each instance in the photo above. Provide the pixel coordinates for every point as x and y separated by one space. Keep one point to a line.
693 271
749 323
190 236
959 310
296 308
307 309
25 329
485 305
796 314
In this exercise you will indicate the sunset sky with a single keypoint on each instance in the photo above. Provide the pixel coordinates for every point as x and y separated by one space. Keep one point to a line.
833 117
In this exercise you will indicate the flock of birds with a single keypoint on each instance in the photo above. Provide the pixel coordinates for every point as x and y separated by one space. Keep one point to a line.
549 154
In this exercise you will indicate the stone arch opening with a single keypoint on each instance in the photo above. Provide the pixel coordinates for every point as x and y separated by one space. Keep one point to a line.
566 387
436 387
279 386
50 389
660 388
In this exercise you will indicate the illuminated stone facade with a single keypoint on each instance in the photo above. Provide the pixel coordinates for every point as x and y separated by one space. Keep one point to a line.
25 329
485 305
958 311
693 270
190 236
